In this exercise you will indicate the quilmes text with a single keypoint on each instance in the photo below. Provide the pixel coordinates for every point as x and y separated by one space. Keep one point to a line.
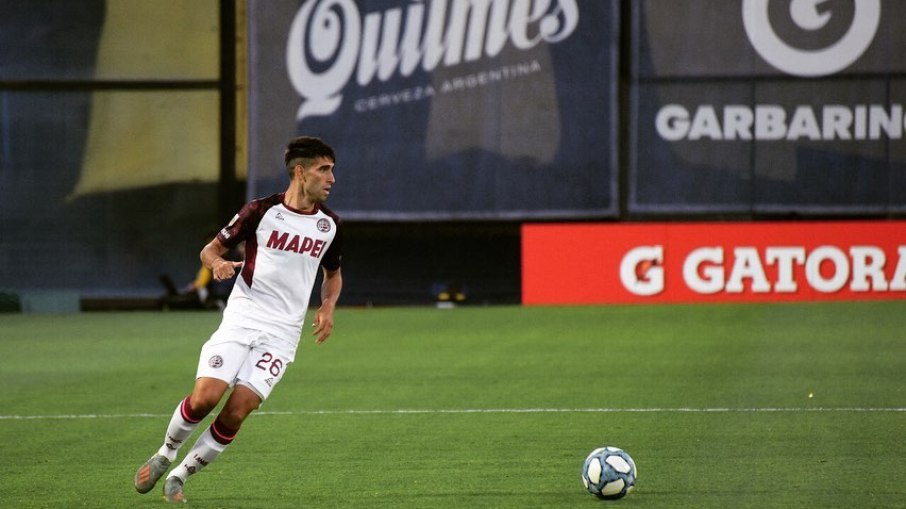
330 40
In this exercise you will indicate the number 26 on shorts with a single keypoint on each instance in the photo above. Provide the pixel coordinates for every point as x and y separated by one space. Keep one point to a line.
270 364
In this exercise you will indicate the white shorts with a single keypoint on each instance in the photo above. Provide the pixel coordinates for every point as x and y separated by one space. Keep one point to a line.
246 357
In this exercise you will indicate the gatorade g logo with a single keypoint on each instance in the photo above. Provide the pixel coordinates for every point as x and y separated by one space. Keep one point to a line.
812 16
642 271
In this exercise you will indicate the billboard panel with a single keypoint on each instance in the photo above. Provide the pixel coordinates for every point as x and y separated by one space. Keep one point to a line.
712 262
772 38
443 109
774 107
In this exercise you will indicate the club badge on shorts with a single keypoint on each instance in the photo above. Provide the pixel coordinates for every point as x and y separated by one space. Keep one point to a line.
215 361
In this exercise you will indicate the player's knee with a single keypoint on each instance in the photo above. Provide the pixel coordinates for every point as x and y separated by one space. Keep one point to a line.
234 417
206 396
238 408
203 405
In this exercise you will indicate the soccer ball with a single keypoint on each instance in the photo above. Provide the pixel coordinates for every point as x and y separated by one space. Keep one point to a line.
608 473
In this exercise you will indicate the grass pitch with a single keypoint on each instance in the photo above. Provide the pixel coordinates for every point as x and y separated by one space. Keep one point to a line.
792 405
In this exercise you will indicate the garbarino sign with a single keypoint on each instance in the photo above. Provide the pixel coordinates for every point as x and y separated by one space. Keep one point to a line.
810 39
860 18
777 106
442 109
771 122
713 262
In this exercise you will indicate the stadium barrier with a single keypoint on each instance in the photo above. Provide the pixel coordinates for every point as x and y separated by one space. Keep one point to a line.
713 262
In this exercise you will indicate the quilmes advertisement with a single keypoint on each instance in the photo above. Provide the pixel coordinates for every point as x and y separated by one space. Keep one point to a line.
442 109
793 106
585 263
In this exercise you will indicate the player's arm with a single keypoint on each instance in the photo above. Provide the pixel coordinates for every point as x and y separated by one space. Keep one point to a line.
212 258
331 287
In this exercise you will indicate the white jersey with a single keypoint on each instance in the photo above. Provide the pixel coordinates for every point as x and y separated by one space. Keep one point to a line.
284 249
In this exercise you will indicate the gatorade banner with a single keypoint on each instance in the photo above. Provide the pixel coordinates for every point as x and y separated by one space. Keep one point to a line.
713 262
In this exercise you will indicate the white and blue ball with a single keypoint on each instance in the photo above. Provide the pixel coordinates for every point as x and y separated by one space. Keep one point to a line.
608 473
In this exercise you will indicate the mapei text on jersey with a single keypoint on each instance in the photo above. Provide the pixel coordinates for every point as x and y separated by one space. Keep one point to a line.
303 245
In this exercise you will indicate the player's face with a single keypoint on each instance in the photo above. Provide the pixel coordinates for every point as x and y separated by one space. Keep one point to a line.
318 179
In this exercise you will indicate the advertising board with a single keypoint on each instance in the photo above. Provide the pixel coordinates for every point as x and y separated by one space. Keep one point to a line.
757 106
713 262
442 109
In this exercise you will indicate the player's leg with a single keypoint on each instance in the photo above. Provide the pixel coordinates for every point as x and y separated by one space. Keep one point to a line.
189 412
220 360
255 381
213 441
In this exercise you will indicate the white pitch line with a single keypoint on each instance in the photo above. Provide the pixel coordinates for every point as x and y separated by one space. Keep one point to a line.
486 411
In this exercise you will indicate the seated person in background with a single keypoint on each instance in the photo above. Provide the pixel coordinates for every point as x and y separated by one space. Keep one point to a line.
204 292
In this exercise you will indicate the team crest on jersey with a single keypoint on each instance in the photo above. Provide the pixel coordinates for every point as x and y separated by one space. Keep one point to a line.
215 361
323 225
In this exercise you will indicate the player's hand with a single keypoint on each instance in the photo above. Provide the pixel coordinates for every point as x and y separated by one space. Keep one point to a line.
323 326
224 269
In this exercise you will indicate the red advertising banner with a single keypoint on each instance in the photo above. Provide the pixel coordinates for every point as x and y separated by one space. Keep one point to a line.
713 262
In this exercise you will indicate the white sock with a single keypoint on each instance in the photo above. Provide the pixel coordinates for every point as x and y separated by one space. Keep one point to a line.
205 450
181 426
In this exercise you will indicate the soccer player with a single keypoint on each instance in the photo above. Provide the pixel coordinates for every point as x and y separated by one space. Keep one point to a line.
288 237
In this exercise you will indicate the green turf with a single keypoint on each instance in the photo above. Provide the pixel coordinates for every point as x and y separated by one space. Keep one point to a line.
711 401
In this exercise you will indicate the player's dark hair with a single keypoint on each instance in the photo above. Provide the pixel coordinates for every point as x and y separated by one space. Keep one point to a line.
306 147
